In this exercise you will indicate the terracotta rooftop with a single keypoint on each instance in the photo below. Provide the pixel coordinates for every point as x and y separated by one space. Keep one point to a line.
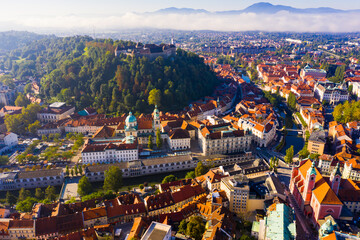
21 224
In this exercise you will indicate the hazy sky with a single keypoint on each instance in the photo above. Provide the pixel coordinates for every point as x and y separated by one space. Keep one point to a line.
113 15
11 8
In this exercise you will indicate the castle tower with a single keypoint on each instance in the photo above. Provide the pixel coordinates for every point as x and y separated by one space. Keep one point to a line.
309 182
156 119
335 179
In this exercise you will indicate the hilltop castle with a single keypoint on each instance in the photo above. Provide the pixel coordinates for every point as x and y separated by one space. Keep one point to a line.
150 51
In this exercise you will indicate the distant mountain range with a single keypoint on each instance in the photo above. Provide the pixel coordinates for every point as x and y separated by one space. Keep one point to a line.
262 7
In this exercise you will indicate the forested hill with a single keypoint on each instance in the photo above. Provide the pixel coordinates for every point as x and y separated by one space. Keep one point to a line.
85 72
13 39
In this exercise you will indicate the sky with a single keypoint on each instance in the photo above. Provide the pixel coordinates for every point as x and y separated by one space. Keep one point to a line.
51 15
84 7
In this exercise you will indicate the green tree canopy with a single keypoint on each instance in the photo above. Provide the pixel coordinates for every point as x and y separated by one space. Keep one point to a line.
155 97
50 193
159 141
19 123
26 205
33 127
183 226
289 155
150 142
21 100
4 160
347 112
85 72
314 156
169 178
23 194
67 172
113 179
190 175
195 228
84 186
39 194
292 101
201 169
10 199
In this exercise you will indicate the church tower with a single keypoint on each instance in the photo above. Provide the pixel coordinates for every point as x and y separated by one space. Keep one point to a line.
131 125
156 119
309 182
335 179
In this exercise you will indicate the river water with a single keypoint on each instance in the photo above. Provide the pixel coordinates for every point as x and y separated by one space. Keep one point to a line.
246 78
292 138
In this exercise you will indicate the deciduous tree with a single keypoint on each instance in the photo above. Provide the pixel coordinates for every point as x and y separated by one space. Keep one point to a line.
10 198
155 97
289 155
159 141
150 142
190 175
39 194
50 193
169 178
113 179
84 186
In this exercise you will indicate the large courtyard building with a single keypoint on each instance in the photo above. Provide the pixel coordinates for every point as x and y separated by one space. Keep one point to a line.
315 73
223 138
55 112
331 92
110 152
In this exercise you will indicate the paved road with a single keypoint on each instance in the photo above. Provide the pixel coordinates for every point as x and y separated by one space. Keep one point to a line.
304 230
284 175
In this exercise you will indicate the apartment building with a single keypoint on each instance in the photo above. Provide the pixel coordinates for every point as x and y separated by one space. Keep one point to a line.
237 191
317 141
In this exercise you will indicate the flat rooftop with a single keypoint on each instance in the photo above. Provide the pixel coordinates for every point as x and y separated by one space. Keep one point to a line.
156 231
57 105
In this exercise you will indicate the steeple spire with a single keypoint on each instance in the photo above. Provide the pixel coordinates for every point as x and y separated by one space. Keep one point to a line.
312 170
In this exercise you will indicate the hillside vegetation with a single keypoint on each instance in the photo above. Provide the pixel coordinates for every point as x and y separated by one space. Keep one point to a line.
85 72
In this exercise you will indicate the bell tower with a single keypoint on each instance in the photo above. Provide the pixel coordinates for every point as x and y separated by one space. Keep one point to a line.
335 179
309 182
156 119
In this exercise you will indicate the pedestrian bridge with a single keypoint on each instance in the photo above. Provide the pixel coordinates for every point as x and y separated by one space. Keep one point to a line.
299 131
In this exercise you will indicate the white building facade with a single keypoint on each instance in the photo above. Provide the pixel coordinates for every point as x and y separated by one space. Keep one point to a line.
110 153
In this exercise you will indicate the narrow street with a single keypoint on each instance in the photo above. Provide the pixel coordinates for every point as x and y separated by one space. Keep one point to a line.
303 229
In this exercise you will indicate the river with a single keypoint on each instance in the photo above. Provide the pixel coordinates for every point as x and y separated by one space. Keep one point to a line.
292 138
246 78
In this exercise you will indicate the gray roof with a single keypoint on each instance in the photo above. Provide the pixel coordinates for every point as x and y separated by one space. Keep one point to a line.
138 163
256 169
157 161
318 136
277 184
223 156
40 173
7 175
105 167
